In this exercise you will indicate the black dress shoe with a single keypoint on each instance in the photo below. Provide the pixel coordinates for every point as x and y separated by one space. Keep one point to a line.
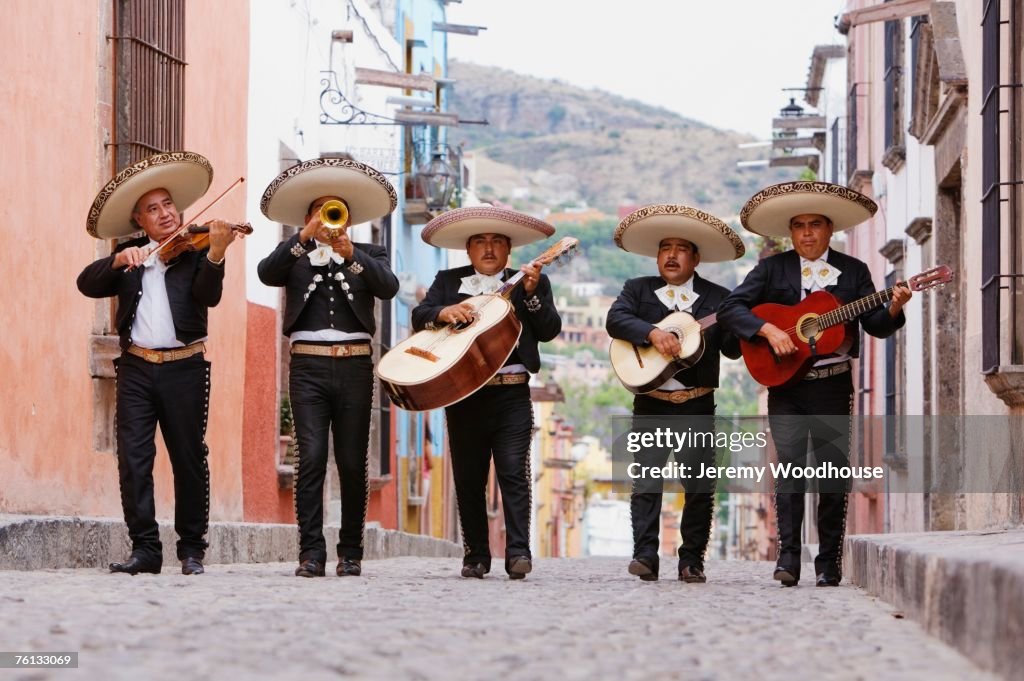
692 575
135 565
310 567
788 576
519 567
348 567
827 580
192 566
477 570
644 568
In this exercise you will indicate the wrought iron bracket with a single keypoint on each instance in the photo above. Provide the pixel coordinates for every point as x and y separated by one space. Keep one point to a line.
336 109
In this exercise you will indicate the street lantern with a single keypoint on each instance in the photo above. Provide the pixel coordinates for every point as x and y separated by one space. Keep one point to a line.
792 109
437 181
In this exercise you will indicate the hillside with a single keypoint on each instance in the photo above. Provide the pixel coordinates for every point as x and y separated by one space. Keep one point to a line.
550 144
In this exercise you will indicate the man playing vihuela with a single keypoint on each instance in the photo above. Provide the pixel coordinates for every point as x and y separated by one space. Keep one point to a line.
679 238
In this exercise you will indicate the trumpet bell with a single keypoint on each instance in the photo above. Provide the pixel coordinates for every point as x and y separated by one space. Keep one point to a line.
334 215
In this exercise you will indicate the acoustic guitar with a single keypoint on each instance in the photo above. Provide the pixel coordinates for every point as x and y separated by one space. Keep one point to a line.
437 367
819 326
641 369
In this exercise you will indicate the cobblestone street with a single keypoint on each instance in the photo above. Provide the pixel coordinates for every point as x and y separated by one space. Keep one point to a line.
415 618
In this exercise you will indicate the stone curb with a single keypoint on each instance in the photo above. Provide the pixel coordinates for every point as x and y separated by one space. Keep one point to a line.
966 588
49 542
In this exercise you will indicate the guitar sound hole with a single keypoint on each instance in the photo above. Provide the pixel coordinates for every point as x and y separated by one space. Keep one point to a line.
462 326
809 327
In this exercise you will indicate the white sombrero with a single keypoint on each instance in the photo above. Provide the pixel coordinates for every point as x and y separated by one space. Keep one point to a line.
642 232
186 177
769 211
451 229
368 194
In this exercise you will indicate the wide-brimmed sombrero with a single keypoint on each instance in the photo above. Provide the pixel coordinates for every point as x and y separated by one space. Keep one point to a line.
368 194
451 229
769 211
185 175
642 231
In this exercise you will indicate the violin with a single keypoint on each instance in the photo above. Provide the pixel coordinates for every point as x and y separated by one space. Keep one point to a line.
194 238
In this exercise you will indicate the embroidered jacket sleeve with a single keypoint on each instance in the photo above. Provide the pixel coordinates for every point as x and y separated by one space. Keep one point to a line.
878 322
436 300
538 310
734 313
99 279
623 322
373 266
273 270
208 283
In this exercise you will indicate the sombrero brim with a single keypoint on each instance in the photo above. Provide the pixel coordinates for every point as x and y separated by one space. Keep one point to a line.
368 194
642 232
185 175
769 211
451 229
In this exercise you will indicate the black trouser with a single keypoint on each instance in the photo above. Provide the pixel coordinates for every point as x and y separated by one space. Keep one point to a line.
331 394
791 416
177 396
698 507
495 420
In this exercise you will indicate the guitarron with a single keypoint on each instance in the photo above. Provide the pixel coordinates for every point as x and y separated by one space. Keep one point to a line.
437 367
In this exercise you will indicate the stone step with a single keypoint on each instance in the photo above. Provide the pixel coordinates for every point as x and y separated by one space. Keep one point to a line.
43 542
966 588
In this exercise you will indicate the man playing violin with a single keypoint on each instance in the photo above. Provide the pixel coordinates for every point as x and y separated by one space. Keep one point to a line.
680 237
496 420
331 288
162 376
809 213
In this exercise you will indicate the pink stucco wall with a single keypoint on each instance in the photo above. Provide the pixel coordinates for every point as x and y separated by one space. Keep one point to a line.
56 116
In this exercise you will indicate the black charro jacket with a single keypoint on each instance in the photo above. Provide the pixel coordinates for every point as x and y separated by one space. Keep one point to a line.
540 326
633 314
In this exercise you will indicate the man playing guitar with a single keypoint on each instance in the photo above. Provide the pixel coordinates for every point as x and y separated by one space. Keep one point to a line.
497 419
679 237
809 213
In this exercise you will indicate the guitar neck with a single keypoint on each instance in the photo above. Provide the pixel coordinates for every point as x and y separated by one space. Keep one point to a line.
506 289
708 321
851 311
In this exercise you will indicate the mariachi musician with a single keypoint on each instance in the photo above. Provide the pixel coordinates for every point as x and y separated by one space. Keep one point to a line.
809 213
162 375
496 420
680 238
331 287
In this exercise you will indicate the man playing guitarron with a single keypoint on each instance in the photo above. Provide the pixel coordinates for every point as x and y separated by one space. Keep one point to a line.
497 419
680 237
809 213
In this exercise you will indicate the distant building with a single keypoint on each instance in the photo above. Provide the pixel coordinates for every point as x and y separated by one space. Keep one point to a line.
575 216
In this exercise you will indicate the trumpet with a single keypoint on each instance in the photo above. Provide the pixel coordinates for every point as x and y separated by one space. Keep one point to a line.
334 216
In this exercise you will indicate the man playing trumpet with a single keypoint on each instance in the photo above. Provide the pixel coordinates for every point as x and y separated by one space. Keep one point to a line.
331 287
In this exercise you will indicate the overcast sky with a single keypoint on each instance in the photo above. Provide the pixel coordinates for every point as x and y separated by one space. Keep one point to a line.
722 62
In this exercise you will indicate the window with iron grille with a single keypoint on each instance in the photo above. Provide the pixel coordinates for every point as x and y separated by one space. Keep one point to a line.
1001 171
149 92
895 151
894 378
